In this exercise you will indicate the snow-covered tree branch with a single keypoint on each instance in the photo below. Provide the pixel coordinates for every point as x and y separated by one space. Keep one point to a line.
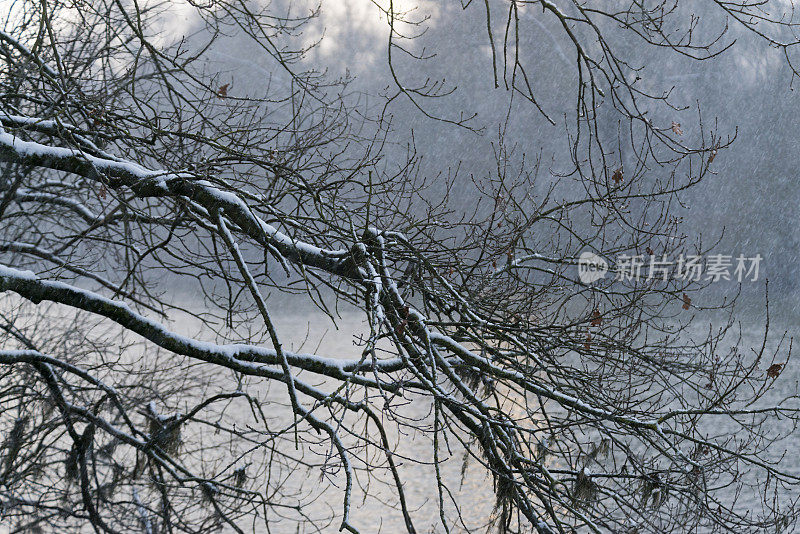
142 190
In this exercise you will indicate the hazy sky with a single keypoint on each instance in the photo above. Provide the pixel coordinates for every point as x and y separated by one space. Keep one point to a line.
753 196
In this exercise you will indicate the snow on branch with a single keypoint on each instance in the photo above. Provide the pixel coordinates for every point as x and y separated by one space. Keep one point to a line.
244 358
147 183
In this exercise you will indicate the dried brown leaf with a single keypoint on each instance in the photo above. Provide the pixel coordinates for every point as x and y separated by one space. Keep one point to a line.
775 370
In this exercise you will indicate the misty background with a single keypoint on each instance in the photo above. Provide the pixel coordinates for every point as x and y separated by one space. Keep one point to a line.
750 201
